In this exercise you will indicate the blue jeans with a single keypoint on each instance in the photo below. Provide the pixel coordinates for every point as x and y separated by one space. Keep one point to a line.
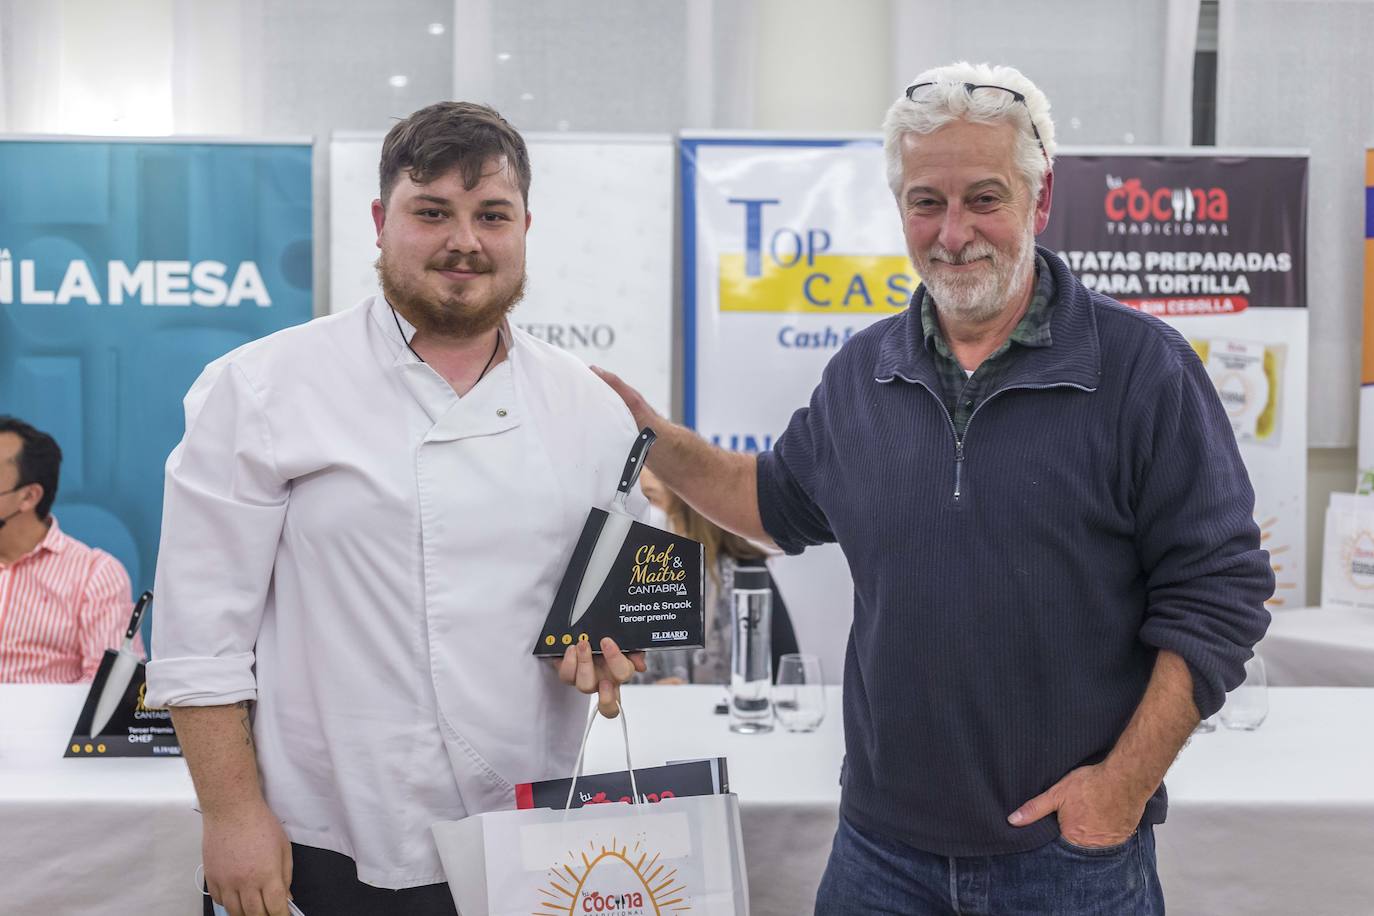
872 874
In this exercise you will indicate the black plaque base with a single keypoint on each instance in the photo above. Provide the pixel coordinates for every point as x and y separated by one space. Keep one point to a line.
134 730
651 599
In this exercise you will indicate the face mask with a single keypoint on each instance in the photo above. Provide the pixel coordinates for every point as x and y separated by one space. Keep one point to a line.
16 511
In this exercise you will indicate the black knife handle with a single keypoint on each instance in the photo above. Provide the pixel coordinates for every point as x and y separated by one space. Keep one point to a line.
144 600
635 463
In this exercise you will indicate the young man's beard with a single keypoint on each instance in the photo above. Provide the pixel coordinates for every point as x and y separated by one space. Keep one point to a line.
448 317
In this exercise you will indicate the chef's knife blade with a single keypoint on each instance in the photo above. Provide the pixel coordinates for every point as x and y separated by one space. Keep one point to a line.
121 671
612 535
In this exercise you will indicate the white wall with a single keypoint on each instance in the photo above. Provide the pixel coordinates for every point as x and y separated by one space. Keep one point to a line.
819 66
1298 71
87 67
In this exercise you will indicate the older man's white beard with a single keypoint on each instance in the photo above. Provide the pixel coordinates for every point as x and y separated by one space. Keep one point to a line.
978 297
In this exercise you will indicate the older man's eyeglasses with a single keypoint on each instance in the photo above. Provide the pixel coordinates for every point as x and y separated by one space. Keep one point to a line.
982 92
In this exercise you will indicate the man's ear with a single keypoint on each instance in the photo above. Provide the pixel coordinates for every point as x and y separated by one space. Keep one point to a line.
32 495
378 218
1042 203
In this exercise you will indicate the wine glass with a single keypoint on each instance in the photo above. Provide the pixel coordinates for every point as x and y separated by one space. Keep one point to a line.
799 694
1248 705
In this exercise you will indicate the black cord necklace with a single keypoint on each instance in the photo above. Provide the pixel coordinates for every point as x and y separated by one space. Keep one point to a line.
495 350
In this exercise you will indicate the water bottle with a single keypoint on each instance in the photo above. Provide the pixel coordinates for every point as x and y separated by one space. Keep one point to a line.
751 655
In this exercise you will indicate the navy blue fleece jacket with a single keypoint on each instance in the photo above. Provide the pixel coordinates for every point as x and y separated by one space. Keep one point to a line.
1011 591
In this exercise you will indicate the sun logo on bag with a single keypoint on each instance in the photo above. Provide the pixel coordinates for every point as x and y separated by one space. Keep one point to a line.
612 880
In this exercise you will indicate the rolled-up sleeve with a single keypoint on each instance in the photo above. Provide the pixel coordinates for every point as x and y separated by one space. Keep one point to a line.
223 508
1206 575
788 478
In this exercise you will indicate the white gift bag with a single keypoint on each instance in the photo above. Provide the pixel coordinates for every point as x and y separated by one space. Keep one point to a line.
679 855
1348 552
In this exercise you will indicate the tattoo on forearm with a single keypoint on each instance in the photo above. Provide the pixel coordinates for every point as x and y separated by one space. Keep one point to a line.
247 726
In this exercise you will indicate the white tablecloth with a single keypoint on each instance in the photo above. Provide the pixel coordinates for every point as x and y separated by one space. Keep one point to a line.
89 836
1320 647
1279 821
1276 821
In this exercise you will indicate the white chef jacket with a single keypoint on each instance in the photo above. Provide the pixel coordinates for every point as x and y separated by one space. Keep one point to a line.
371 559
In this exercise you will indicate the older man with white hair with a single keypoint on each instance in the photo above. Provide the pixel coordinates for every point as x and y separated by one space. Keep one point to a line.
1056 569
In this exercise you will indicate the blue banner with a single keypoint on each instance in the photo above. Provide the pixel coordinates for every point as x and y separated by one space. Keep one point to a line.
125 267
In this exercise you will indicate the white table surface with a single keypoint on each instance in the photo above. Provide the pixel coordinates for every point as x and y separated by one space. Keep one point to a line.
1277 821
88 835
1320 647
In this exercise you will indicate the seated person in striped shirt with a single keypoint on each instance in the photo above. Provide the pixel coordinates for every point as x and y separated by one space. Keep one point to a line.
62 603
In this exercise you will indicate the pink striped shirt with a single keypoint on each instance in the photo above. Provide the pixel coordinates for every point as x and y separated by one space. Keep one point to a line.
62 605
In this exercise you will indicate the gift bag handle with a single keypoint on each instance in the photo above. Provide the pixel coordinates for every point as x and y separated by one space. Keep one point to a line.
582 751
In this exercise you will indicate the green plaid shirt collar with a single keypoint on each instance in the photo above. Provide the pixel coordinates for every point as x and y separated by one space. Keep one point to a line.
963 393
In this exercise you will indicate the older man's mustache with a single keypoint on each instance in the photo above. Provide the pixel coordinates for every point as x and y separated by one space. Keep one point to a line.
970 252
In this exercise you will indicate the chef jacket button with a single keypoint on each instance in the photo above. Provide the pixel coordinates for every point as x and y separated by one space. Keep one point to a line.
501 412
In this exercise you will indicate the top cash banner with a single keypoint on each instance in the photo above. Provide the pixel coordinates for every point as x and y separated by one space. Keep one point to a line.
125 267
790 247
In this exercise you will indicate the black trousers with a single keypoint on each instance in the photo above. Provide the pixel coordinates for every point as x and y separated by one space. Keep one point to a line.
325 883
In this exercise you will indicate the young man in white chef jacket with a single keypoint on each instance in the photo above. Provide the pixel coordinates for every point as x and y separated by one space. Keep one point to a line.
363 530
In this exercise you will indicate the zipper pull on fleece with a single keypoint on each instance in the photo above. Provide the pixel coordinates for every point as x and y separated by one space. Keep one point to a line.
958 468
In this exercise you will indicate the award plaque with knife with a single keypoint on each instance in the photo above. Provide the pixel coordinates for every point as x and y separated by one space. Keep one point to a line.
114 722
639 585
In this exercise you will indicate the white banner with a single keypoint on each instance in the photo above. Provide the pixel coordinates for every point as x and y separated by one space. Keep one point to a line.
790 247
600 248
